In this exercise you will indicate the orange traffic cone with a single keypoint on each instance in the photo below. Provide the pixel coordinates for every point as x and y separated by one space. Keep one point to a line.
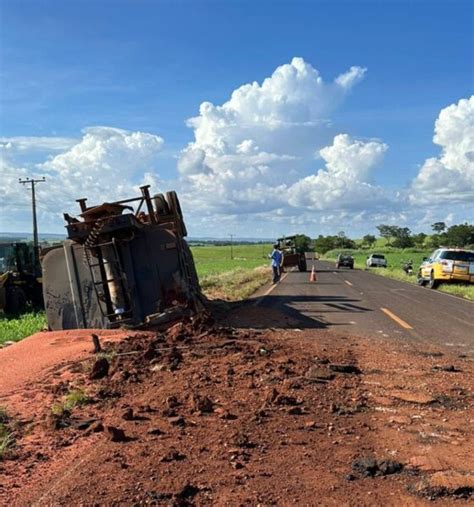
312 277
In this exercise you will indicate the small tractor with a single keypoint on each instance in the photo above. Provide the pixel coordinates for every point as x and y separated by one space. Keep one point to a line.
125 264
293 255
20 278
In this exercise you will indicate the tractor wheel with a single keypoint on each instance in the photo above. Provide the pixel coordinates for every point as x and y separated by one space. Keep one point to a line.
15 300
175 208
302 265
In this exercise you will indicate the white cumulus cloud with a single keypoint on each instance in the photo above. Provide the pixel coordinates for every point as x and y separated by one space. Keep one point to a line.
449 177
345 183
106 164
249 150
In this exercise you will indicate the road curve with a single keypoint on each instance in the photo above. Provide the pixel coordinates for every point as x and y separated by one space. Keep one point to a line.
361 302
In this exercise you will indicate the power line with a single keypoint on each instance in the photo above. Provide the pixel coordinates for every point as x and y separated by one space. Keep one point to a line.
32 182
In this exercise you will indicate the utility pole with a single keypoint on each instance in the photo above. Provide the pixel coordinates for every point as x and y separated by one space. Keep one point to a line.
231 246
32 182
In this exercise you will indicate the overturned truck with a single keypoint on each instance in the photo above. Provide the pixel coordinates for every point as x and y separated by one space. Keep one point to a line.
125 263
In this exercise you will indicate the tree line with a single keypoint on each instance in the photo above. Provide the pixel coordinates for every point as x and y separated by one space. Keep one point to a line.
460 235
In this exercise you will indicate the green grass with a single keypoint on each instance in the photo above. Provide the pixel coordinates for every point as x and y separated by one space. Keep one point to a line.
395 258
235 285
231 279
213 260
7 440
73 399
17 327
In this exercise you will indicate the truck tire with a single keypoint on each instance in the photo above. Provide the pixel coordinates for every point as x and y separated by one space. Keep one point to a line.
175 208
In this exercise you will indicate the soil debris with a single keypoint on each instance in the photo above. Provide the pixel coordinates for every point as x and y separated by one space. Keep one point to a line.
100 369
370 467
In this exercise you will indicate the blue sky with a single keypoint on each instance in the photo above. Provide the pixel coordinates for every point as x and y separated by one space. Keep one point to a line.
146 66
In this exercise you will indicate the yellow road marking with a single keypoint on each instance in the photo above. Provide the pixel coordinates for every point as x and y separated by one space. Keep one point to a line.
398 320
348 283
275 285
260 298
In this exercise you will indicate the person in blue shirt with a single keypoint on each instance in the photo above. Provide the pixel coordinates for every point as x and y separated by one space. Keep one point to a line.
277 257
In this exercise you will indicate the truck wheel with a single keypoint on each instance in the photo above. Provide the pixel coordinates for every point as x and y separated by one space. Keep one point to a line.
432 284
175 208
16 300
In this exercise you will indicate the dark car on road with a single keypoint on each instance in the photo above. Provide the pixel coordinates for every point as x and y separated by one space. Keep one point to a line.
345 260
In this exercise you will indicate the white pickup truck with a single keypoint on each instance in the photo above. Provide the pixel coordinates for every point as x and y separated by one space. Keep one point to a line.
376 261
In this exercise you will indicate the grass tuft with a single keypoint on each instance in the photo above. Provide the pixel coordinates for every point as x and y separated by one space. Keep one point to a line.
7 440
73 399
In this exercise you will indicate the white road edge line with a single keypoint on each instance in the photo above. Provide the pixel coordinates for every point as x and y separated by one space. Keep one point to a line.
348 283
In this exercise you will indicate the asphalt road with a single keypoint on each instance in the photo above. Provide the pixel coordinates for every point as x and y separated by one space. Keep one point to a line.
361 302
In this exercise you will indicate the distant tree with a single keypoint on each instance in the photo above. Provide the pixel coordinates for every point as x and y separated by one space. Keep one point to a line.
419 239
402 236
433 241
323 244
303 243
387 232
460 235
369 240
438 227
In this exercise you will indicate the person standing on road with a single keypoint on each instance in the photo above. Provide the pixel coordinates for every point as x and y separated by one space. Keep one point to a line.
277 257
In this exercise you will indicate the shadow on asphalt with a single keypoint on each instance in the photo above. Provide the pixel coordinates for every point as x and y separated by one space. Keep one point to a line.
290 312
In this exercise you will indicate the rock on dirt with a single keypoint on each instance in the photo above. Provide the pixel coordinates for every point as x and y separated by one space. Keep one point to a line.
368 466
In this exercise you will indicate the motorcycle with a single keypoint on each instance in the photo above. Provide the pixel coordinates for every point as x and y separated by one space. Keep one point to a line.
408 267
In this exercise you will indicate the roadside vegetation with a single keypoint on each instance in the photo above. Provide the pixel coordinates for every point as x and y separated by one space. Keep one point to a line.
395 260
232 272
7 440
16 327
73 399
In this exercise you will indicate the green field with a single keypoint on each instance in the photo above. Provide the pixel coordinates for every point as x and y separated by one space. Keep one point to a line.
395 258
221 277
212 260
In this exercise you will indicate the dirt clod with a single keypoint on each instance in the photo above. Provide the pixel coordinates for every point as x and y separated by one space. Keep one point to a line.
371 467
128 415
116 434
100 369
177 420
345 368
203 404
